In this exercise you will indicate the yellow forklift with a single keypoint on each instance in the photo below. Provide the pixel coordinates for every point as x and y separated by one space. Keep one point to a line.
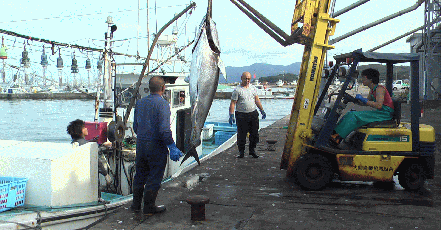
374 152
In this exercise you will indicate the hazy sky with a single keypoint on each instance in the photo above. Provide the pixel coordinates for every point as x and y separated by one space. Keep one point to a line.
242 42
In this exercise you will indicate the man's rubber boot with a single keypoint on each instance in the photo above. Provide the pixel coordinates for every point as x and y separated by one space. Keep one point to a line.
253 153
149 203
241 154
137 200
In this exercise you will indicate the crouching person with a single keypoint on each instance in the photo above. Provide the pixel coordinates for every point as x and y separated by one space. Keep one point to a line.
78 132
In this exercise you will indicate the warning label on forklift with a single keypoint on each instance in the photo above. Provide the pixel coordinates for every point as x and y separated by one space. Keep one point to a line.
314 68
306 104
373 168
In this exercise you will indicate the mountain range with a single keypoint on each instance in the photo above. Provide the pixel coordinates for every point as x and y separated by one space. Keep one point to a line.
265 70
260 70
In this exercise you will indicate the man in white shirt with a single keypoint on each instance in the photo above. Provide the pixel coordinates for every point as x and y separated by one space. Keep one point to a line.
243 104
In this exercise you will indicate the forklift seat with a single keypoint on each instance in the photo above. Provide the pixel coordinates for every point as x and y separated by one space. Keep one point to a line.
393 123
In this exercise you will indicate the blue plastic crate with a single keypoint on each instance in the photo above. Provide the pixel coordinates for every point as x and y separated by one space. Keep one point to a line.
4 193
221 136
12 192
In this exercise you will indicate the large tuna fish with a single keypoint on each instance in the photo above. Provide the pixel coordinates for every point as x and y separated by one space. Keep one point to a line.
204 77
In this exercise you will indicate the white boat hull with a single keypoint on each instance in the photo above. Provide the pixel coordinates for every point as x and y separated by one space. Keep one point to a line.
74 218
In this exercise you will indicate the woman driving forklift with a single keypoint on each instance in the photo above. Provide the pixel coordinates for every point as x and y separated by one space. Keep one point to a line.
378 98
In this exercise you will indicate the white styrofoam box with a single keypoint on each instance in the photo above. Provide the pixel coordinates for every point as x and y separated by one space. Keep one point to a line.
58 173
207 131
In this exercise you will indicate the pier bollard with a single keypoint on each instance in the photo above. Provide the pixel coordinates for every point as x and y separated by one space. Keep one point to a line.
271 145
198 207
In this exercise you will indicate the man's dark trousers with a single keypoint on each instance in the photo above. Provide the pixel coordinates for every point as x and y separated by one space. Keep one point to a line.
247 123
151 159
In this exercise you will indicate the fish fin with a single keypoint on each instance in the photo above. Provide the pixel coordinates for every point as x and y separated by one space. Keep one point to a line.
222 69
191 153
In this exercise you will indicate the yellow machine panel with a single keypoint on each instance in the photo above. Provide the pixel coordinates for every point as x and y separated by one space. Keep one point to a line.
368 167
387 139
427 133
394 139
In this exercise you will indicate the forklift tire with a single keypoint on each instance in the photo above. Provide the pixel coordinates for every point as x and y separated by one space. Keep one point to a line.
411 177
313 172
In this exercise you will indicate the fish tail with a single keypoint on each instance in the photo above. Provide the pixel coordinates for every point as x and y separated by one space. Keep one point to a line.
191 153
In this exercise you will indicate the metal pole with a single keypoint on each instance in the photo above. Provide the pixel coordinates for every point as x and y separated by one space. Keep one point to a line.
3 72
141 76
44 76
396 39
399 13
210 8
148 33
107 90
348 8
137 32
260 24
415 109
265 20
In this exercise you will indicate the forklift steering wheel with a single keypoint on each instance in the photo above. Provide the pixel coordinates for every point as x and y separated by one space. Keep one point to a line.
349 98
346 98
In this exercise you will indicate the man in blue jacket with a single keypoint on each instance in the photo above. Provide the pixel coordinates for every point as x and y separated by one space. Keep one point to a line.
152 126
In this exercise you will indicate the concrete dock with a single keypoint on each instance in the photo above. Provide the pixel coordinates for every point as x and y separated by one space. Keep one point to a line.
253 193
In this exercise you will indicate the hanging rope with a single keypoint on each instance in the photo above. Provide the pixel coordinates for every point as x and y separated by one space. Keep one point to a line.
85 15
48 41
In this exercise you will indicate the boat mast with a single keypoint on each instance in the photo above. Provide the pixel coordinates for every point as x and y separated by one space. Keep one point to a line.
107 80
148 35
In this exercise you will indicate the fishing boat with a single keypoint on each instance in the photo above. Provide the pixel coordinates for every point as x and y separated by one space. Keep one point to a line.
14 89
58 185
262 91
63 193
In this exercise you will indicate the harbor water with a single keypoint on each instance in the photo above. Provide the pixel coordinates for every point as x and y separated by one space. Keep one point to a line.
46 120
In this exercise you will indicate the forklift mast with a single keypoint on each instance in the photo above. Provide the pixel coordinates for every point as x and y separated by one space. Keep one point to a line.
317 27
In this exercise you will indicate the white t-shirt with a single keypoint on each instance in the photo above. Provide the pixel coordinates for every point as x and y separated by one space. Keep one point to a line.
245 98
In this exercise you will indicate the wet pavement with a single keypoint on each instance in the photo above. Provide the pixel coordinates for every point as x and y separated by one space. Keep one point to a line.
253 193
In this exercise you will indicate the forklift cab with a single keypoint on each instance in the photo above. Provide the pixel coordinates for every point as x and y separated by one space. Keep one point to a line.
376 151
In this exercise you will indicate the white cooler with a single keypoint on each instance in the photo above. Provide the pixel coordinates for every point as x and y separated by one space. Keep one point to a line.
58 173
207 131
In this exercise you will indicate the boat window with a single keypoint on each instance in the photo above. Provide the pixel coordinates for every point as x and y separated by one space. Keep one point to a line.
182 97
178 98
125 96
167 95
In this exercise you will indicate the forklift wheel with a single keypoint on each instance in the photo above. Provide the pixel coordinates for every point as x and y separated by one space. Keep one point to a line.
411 177
313 172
